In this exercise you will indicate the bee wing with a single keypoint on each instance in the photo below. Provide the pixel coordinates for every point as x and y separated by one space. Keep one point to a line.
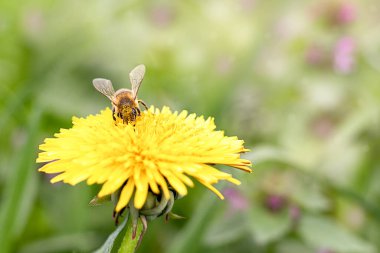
104 86
136 76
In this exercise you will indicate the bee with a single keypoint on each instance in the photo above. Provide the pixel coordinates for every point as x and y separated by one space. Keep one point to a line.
125 103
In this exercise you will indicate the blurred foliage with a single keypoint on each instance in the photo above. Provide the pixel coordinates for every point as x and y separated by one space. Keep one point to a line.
297 80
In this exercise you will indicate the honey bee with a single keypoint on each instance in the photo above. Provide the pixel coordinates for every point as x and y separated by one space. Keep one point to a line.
124 101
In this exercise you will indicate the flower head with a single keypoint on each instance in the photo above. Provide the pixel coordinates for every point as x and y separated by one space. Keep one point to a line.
161 152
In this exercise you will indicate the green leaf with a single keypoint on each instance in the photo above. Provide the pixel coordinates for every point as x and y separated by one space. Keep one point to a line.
225 230
267 227
293 246
73 242
309 195
107 246
322 232
20 189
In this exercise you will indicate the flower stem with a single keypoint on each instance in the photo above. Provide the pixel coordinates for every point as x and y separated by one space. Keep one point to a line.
129 245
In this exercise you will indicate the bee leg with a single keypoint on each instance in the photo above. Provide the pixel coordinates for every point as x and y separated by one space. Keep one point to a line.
113 114
125 120
143 103
138 111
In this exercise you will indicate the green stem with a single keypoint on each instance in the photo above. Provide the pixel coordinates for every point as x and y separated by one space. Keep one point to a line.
129 245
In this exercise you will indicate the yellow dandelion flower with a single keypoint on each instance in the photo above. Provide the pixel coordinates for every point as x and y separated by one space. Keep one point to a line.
162 151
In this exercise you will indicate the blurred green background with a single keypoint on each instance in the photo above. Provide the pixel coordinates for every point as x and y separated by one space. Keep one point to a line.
297 80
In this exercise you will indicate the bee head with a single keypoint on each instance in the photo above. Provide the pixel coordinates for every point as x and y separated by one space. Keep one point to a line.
128 113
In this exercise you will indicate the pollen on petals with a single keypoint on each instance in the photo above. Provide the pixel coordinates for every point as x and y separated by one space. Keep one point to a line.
163 151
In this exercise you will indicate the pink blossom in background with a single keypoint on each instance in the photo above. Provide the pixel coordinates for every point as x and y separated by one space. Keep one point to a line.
323 127
295 213
324 251
315 55
247 4
336 13
275 202
346 13
236 199
162 16
344 59
224 65
34 22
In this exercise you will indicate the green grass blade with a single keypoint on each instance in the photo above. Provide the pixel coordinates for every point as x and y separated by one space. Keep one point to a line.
19 190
